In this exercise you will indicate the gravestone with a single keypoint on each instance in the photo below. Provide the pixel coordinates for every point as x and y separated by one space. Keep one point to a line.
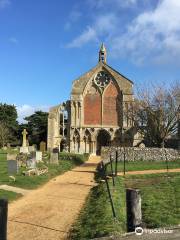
11 156
31 149
42 146
12 167
38 156
54 158
31 161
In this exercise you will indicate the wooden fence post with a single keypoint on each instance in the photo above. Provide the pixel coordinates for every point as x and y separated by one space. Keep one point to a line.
3 218
133 207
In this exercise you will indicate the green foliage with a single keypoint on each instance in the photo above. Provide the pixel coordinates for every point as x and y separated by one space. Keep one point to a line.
8 117
36 127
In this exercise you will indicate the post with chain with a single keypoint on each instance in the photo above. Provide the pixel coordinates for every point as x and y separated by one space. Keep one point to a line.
112 172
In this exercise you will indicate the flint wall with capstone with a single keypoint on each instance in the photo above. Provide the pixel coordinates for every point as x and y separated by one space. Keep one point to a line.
139 154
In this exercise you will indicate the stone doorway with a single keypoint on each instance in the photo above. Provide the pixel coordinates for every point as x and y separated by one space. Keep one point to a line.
103 139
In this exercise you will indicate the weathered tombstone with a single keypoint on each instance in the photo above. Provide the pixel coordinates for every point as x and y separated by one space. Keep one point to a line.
3 218
11 156
24 148
42 146
31 161
12 167
54 158
31 149
38 156
133 207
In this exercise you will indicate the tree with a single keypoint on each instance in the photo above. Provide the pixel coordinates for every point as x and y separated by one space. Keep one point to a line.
4 134
155 114
36 127
8 117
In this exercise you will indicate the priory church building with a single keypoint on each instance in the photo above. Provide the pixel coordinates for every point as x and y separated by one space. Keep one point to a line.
96 114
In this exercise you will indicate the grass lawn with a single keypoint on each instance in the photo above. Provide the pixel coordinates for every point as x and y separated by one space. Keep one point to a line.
9 195
143 165
69 161
160 205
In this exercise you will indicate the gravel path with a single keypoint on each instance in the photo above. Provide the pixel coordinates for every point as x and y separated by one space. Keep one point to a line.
149 171
49 212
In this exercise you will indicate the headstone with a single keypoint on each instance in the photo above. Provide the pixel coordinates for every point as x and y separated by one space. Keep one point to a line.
54 158
42 146
11 156
12 167
38 156
24 150
31 149
31 161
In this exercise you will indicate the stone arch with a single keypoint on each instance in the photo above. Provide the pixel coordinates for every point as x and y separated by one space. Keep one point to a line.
87 141
92 107
103 139
76 140
110 105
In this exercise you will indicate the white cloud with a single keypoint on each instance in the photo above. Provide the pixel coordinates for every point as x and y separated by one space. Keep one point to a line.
103 24
88 35
73 17
118 3
4 3
27 110
13 40
153 35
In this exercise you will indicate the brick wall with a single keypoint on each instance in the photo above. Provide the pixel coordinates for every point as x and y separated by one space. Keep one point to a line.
92 108
110 116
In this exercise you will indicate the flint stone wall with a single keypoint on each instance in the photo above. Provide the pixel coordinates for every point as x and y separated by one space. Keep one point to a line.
139 154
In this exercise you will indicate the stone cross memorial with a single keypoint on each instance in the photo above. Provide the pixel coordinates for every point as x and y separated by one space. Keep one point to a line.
24 148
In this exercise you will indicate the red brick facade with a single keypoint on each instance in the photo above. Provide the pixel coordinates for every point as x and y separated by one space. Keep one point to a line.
110 115
93 109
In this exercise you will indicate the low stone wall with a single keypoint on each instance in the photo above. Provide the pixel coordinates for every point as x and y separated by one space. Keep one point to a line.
139 154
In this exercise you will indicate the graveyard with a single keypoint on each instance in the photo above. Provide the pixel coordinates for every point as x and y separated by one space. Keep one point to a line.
66 163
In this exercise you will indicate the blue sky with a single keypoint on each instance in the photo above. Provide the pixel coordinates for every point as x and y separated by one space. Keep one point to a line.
45 45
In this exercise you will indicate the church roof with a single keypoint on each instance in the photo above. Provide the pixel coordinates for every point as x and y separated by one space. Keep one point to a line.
80 83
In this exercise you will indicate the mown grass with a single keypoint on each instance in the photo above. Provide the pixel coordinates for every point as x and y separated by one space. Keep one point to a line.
145 165
11 196
31 182
96 219
160 198
160 205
